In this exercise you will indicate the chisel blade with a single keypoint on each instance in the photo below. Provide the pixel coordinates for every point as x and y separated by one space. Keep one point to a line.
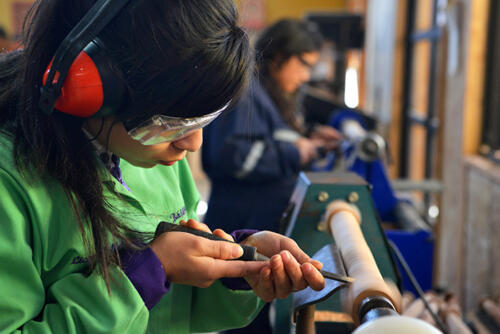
336 277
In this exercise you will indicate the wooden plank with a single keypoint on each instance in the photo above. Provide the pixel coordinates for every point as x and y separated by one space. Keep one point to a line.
476 64
477 239
494 286
8 19
482 231
484 166
380 53
393 131
450 229
278 9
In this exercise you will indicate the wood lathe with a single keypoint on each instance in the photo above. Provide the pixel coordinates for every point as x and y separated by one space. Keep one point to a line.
337 209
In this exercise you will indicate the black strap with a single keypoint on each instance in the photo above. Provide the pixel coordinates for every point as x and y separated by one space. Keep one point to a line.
85 31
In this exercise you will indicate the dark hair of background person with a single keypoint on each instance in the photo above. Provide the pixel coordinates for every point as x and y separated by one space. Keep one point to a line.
4 40
3 33
179 57
276 45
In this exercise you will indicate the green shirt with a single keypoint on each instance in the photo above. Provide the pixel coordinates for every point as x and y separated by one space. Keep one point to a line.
45 287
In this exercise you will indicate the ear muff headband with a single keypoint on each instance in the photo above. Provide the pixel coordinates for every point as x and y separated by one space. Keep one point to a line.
79 37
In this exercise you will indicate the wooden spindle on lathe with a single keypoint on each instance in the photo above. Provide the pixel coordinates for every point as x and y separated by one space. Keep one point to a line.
344 223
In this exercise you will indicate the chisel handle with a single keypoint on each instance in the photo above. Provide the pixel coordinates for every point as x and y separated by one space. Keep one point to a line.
249 252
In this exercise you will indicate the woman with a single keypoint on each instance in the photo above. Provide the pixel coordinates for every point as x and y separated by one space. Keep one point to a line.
77 250
254 153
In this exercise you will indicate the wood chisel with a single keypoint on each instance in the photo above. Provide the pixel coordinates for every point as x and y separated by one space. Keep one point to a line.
249 252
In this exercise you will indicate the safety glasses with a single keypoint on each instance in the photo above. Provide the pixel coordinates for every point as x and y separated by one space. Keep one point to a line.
161 129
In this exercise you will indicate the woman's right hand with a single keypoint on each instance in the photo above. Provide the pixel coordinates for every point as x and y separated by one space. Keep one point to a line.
192 260
308 149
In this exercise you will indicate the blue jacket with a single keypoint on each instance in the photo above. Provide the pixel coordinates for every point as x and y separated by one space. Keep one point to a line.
250 156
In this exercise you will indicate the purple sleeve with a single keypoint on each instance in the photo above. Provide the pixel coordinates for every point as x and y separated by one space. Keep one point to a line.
238 283
145 271
240 235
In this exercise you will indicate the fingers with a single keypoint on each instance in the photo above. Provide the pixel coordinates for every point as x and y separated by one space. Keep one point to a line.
329 132
220 233
221 268
264 288
299 276
219 249
191 223
335 135
295 250
282 285
299 254
210 270
201 261
283 275
294 272
286 275
262 283
318 265
291 268
313 276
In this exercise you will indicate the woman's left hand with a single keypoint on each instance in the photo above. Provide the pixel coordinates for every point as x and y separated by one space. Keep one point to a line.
290 269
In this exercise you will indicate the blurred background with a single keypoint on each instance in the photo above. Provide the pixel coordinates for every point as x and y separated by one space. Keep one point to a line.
423 75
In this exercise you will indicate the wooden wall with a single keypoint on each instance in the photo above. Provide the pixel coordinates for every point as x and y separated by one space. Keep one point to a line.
481 268
465 191
394 131
477 250
12 14
476 63
466 258
274 9
278 9
419 93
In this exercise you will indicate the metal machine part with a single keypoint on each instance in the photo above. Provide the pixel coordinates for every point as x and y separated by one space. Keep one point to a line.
409 219
372 308
301 222
370 146
378 315
332 261
304 301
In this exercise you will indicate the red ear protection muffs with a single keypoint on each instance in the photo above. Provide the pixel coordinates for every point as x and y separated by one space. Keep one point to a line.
82 93
90 88
84 83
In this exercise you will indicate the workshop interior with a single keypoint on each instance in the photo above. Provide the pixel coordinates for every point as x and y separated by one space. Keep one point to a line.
404 212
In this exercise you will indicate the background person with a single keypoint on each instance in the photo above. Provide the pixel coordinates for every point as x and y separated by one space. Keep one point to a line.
254 153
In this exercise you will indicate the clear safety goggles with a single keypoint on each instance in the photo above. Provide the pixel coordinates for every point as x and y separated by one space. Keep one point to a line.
161 129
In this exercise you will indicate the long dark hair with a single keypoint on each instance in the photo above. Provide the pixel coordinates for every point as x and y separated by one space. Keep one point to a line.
177 57
279 42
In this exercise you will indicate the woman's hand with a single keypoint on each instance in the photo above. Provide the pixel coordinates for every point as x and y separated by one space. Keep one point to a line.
328 135
193 260
290 269
308 149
